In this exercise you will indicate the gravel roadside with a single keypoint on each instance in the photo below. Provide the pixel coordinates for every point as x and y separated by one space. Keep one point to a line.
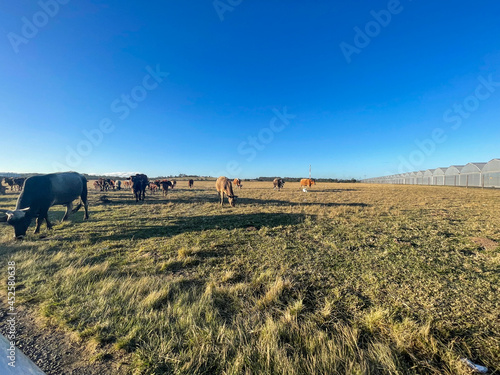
53 350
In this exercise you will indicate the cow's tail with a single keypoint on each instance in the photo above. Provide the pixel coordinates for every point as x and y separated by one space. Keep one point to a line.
77 207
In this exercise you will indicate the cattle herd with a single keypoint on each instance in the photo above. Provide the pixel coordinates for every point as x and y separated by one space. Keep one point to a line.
15 183
39 193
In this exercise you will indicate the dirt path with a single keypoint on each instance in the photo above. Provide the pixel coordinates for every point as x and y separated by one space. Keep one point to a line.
53 350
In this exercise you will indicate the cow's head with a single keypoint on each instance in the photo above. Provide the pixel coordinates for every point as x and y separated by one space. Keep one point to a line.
19 219
232 200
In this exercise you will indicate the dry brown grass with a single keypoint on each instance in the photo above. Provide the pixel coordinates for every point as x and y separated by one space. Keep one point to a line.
347 278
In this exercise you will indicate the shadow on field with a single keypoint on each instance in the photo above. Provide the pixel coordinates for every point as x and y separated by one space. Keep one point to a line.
276 202
332 190
152 199
240 201
9 198
201 223
203 196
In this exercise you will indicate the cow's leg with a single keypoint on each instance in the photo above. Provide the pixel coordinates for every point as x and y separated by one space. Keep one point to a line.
44 214
49 225
221 198
69 207
85 202
86 207
39 220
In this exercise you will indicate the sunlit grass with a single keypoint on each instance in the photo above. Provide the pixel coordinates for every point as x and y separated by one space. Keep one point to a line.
347 278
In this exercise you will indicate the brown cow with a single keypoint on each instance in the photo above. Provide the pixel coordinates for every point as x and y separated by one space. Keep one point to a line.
153 187
224 186
164 184
190 183
237 182
278 183
307 182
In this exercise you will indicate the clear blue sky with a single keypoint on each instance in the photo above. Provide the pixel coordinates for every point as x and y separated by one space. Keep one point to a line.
360 91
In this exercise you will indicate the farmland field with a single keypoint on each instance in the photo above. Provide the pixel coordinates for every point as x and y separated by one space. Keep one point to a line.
346 278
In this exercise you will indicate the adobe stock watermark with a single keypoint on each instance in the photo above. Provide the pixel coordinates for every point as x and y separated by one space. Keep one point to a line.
455 116
32 25
254 144
223 6
122 108
12 313
372 29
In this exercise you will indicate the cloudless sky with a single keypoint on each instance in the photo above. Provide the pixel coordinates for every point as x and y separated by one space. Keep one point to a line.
233 66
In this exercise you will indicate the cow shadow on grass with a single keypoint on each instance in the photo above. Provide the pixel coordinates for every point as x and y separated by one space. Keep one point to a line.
181 225
212 198
332 190
154 199
276 202
240 201
9 201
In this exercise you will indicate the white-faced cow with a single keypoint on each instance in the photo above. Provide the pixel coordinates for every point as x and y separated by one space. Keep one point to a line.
224 186
237 183
278 183
164 185
42 192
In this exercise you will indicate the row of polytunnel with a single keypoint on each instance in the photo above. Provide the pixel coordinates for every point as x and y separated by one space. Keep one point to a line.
469 175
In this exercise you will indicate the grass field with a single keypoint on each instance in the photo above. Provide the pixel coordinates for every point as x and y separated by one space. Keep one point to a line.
347 279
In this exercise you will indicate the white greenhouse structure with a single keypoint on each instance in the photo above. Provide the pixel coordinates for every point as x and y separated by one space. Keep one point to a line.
469 175
452 175
491 174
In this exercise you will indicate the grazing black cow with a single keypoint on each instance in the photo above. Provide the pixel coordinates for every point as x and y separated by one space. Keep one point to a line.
9 181
190 183
18 182
139 184
42 192
278 183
